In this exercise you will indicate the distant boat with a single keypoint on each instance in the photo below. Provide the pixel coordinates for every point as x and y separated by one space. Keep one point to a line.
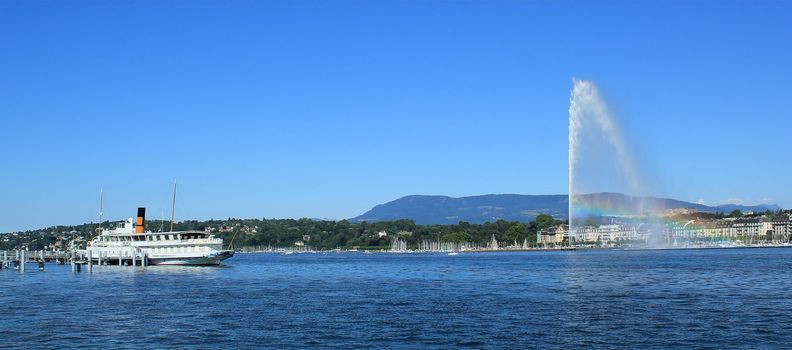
453 253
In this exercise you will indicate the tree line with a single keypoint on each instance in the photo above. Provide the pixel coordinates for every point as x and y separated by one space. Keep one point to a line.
317 234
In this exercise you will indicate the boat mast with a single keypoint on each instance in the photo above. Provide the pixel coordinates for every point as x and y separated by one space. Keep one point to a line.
173 207
101 208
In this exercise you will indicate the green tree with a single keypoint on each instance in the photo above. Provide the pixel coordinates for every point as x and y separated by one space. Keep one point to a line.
544 221
456 236
517 232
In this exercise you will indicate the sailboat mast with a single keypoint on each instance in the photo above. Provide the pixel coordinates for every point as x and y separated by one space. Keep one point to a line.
173 207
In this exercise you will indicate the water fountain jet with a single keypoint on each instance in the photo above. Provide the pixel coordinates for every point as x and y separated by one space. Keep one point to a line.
590 119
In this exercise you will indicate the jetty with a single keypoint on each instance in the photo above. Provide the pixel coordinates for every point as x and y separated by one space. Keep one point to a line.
18 259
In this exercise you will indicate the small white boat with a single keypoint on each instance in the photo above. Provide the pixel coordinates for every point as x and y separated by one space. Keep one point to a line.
453 253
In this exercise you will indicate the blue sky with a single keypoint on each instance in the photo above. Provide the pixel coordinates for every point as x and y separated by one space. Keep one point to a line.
327 108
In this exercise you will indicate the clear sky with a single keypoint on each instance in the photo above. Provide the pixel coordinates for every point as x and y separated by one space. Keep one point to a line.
326 108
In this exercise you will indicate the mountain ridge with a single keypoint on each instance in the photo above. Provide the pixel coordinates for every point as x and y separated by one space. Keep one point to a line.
439 209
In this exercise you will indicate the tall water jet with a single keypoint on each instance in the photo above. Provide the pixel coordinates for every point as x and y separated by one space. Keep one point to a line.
593 129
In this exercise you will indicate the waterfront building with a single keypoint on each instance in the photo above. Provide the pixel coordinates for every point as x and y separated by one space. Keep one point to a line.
608 233
782 227
586 234
553 235
748 227
717 229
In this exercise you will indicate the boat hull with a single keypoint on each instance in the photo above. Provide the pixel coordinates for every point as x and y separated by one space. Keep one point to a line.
209 260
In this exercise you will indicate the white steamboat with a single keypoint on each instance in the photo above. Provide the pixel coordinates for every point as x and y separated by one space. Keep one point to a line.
130 241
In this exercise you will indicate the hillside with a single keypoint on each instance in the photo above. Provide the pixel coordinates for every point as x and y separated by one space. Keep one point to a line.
516 207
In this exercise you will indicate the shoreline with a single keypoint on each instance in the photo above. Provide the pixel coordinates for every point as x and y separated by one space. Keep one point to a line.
339 251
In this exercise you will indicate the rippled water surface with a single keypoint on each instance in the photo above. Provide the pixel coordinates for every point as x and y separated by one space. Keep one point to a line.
735 298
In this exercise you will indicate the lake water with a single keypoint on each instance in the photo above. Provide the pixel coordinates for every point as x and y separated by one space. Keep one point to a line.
733 298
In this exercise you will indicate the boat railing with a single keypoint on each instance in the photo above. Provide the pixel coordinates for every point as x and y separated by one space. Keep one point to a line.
203 240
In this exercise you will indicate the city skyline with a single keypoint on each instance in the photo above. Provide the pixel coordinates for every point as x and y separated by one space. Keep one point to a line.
323 111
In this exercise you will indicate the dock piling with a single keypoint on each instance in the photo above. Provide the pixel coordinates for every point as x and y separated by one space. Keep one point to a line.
22 261
90 261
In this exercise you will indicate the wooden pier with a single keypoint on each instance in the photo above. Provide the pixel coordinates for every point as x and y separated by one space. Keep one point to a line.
18 259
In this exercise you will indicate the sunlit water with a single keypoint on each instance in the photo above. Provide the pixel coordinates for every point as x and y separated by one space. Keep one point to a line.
614 299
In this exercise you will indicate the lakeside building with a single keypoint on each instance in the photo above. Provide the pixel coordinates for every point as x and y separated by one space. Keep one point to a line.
782 226
730 228
763 228
553 235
